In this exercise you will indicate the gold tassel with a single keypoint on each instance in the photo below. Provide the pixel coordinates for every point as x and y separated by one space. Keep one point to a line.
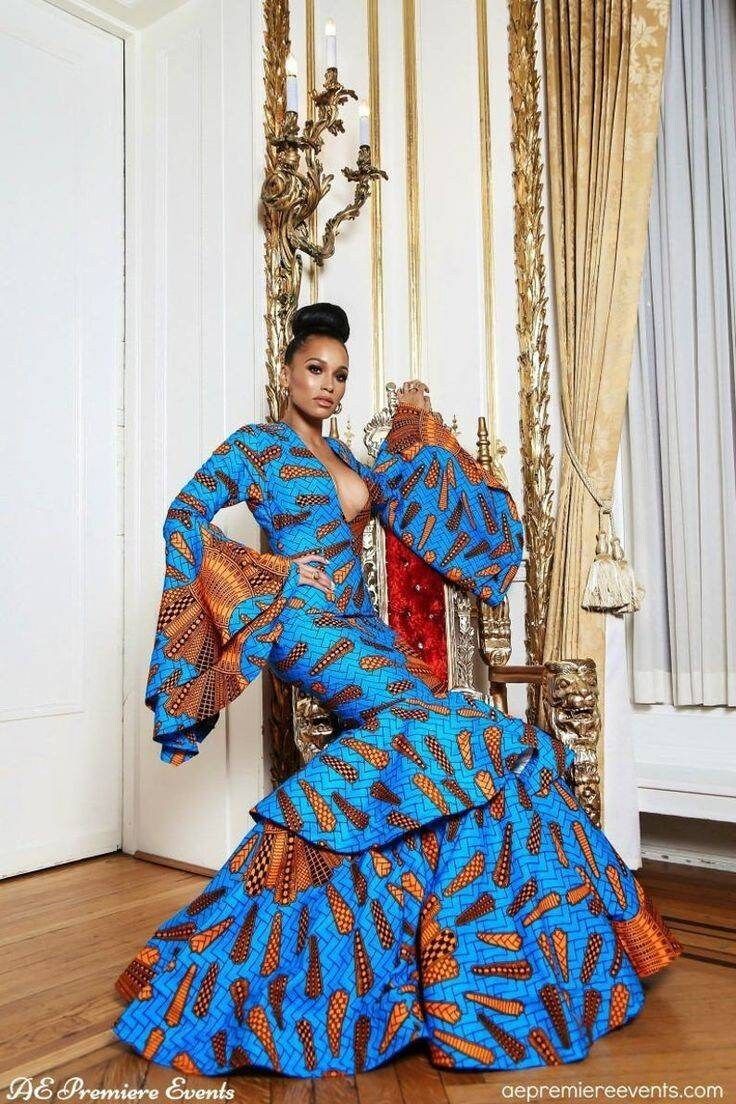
633 592
603 592
611 586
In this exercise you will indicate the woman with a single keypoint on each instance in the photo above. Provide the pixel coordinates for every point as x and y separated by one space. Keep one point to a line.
429 874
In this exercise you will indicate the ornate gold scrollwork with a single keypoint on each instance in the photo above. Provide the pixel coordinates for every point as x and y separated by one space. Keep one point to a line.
291 195
570 695
531 296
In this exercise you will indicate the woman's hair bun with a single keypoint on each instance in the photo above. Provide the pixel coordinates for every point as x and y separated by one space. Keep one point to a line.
325 318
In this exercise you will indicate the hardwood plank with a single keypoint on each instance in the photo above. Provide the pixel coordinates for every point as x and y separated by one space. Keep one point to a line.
334 1090
71 956
82 912
292 1091
251 1088
379 1086
419 1080
102 1068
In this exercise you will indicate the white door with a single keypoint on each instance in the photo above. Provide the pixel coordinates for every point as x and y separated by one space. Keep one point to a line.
61 332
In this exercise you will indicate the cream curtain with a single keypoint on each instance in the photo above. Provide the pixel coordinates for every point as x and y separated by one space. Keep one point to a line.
681 411
603 74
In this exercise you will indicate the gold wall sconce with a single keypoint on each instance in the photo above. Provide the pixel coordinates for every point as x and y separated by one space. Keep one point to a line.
292 192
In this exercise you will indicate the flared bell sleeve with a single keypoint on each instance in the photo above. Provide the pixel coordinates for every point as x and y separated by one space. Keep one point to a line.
221 603
443 504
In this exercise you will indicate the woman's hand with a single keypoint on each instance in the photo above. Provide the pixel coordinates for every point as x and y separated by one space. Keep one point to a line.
313 574
414 393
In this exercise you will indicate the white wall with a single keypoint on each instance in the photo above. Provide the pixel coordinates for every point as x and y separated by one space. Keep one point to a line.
61 331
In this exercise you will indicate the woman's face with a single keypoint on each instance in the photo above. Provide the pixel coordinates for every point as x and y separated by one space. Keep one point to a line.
317 376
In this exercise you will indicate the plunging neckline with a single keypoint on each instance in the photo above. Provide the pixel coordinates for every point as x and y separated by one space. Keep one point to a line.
334 444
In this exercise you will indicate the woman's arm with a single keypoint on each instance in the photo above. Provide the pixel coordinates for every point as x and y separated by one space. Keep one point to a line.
235 472
219 597
442 503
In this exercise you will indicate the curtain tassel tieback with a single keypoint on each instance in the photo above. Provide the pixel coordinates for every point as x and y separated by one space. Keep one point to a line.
611 585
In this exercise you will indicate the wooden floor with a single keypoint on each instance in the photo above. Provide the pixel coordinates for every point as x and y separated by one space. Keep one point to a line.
68 931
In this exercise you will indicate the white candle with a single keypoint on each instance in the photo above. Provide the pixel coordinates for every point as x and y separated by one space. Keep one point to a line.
364 124
292 90
330 44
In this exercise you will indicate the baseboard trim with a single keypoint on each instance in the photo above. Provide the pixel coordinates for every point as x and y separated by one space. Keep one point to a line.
685 856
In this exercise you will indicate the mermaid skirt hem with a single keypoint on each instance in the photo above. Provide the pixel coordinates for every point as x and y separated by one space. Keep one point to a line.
507 936
467 1058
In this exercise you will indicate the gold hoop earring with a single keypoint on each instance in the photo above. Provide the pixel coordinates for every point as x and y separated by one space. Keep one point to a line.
338 408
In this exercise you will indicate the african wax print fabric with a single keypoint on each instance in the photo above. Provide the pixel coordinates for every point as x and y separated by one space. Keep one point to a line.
429 874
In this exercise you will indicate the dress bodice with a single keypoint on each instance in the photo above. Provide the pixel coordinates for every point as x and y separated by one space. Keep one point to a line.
305 513
224 604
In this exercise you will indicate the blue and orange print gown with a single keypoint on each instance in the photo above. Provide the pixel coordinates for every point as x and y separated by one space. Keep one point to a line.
429 874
